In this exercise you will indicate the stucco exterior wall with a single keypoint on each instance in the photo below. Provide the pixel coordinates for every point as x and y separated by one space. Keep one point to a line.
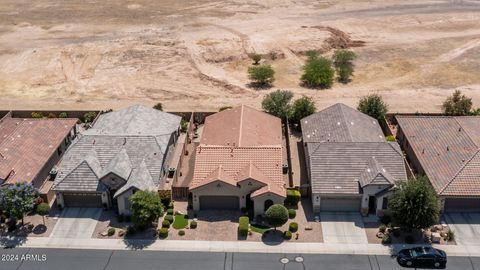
259 202
371 190
123 208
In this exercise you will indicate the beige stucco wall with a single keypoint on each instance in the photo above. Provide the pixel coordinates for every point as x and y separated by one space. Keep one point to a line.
122 208
259 202
371 190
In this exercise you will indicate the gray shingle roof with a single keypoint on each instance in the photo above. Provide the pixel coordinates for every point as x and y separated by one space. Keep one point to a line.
119 165
136 120
375 174
141 179
336 168
340 123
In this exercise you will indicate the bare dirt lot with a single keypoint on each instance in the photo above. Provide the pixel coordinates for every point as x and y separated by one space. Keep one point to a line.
193 55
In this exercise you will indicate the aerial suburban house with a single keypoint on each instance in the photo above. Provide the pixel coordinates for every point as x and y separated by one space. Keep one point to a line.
350 165
447 150
29 148
238 163
125 151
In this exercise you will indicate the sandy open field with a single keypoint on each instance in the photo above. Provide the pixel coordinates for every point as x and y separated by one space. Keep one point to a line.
193 55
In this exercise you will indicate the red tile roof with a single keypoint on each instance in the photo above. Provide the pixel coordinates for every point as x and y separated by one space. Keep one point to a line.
26 145
447 148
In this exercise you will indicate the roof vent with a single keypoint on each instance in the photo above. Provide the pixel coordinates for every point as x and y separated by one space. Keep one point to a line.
351 123
459 129
124 141
338 187
338 123
448 148
368 170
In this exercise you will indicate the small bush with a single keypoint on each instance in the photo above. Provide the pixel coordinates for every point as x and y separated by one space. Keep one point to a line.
184 126
63 115
287 235
386 239
243 224
292 213
409 239
37 115
256 58
262 75
318 72
163 232
181 232
386 219
170 205
120 218
390 138
170 211
111 231
293 197
293 227
382 228
169 218
89 117
165 224
450 235
224 108
158 106
193 224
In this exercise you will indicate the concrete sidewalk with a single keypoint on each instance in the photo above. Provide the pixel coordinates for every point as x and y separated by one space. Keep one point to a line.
227 246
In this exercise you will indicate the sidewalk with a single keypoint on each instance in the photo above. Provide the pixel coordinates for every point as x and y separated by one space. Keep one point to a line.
226 246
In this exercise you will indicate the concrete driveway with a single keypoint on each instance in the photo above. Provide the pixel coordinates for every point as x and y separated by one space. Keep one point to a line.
77 223
343 227
466 227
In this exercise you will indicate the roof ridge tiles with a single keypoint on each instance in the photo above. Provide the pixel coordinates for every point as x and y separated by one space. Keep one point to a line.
459 171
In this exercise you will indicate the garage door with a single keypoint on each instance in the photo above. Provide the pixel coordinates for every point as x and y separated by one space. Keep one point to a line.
219 203
340 204
82 200
462 205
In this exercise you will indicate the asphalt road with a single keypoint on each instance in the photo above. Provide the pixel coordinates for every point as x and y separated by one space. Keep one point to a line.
70 259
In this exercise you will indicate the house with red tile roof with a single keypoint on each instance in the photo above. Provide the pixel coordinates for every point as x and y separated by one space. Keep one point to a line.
447 150
239 162
29 148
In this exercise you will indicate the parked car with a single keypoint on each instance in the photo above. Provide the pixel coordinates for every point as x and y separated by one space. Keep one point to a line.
423 256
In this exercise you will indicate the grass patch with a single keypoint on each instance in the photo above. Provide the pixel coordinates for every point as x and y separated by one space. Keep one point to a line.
259 228
180 222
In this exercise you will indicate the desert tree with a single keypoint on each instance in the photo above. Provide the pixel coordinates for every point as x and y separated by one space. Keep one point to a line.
317 72
457 104
278 103
43 209
261 76
146 208
18 199
373 105
343 63
301 108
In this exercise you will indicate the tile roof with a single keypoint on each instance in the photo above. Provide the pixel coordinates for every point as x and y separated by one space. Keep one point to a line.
447 149
337 167
242 126
26 145
141 179
375 174
340 123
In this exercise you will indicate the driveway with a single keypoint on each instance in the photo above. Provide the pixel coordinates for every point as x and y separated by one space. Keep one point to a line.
77 223
466 227
343 227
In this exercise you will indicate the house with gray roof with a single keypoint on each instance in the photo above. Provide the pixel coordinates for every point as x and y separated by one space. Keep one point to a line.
125 151
351 166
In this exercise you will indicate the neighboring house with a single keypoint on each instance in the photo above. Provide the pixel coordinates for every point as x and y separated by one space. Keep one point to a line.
239 162
350 165
29 148
447 150
125 151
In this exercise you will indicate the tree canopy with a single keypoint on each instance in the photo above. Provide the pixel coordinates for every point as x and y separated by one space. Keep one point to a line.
414 204
261 75
301 108
146 208
457 104
374 106
318 72
18 199
276 215
342 60
278 103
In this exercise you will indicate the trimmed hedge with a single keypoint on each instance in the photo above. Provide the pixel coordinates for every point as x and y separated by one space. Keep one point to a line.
111 231
292 213
169 218
193 224
287 235
181 232
243 224
293 227
170 211
163 233
293 197
390 138
165 224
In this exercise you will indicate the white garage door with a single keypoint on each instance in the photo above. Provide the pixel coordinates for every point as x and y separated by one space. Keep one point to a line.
340 204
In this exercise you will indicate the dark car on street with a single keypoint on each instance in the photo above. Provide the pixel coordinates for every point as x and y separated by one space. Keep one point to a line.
423 256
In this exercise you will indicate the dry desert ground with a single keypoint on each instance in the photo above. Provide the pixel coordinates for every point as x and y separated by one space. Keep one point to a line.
193 55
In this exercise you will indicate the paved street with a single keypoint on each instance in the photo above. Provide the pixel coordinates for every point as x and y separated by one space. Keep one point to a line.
60 259
343 227
78 223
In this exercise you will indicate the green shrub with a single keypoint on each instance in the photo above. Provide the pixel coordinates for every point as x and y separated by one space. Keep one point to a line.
184 126
158 106
382 228
224 108
63 115
165 224
169 218
165 199
170 211
292 213
170 205
390 138
256 58
163 232
293 197
318 72
293 227
111 231
193 224
243 224
89 117
386 239
181 232
450 235
262 75
287 235
37 115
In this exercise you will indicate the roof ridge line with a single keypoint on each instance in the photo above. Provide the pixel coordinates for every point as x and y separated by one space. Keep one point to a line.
344 118
459 171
